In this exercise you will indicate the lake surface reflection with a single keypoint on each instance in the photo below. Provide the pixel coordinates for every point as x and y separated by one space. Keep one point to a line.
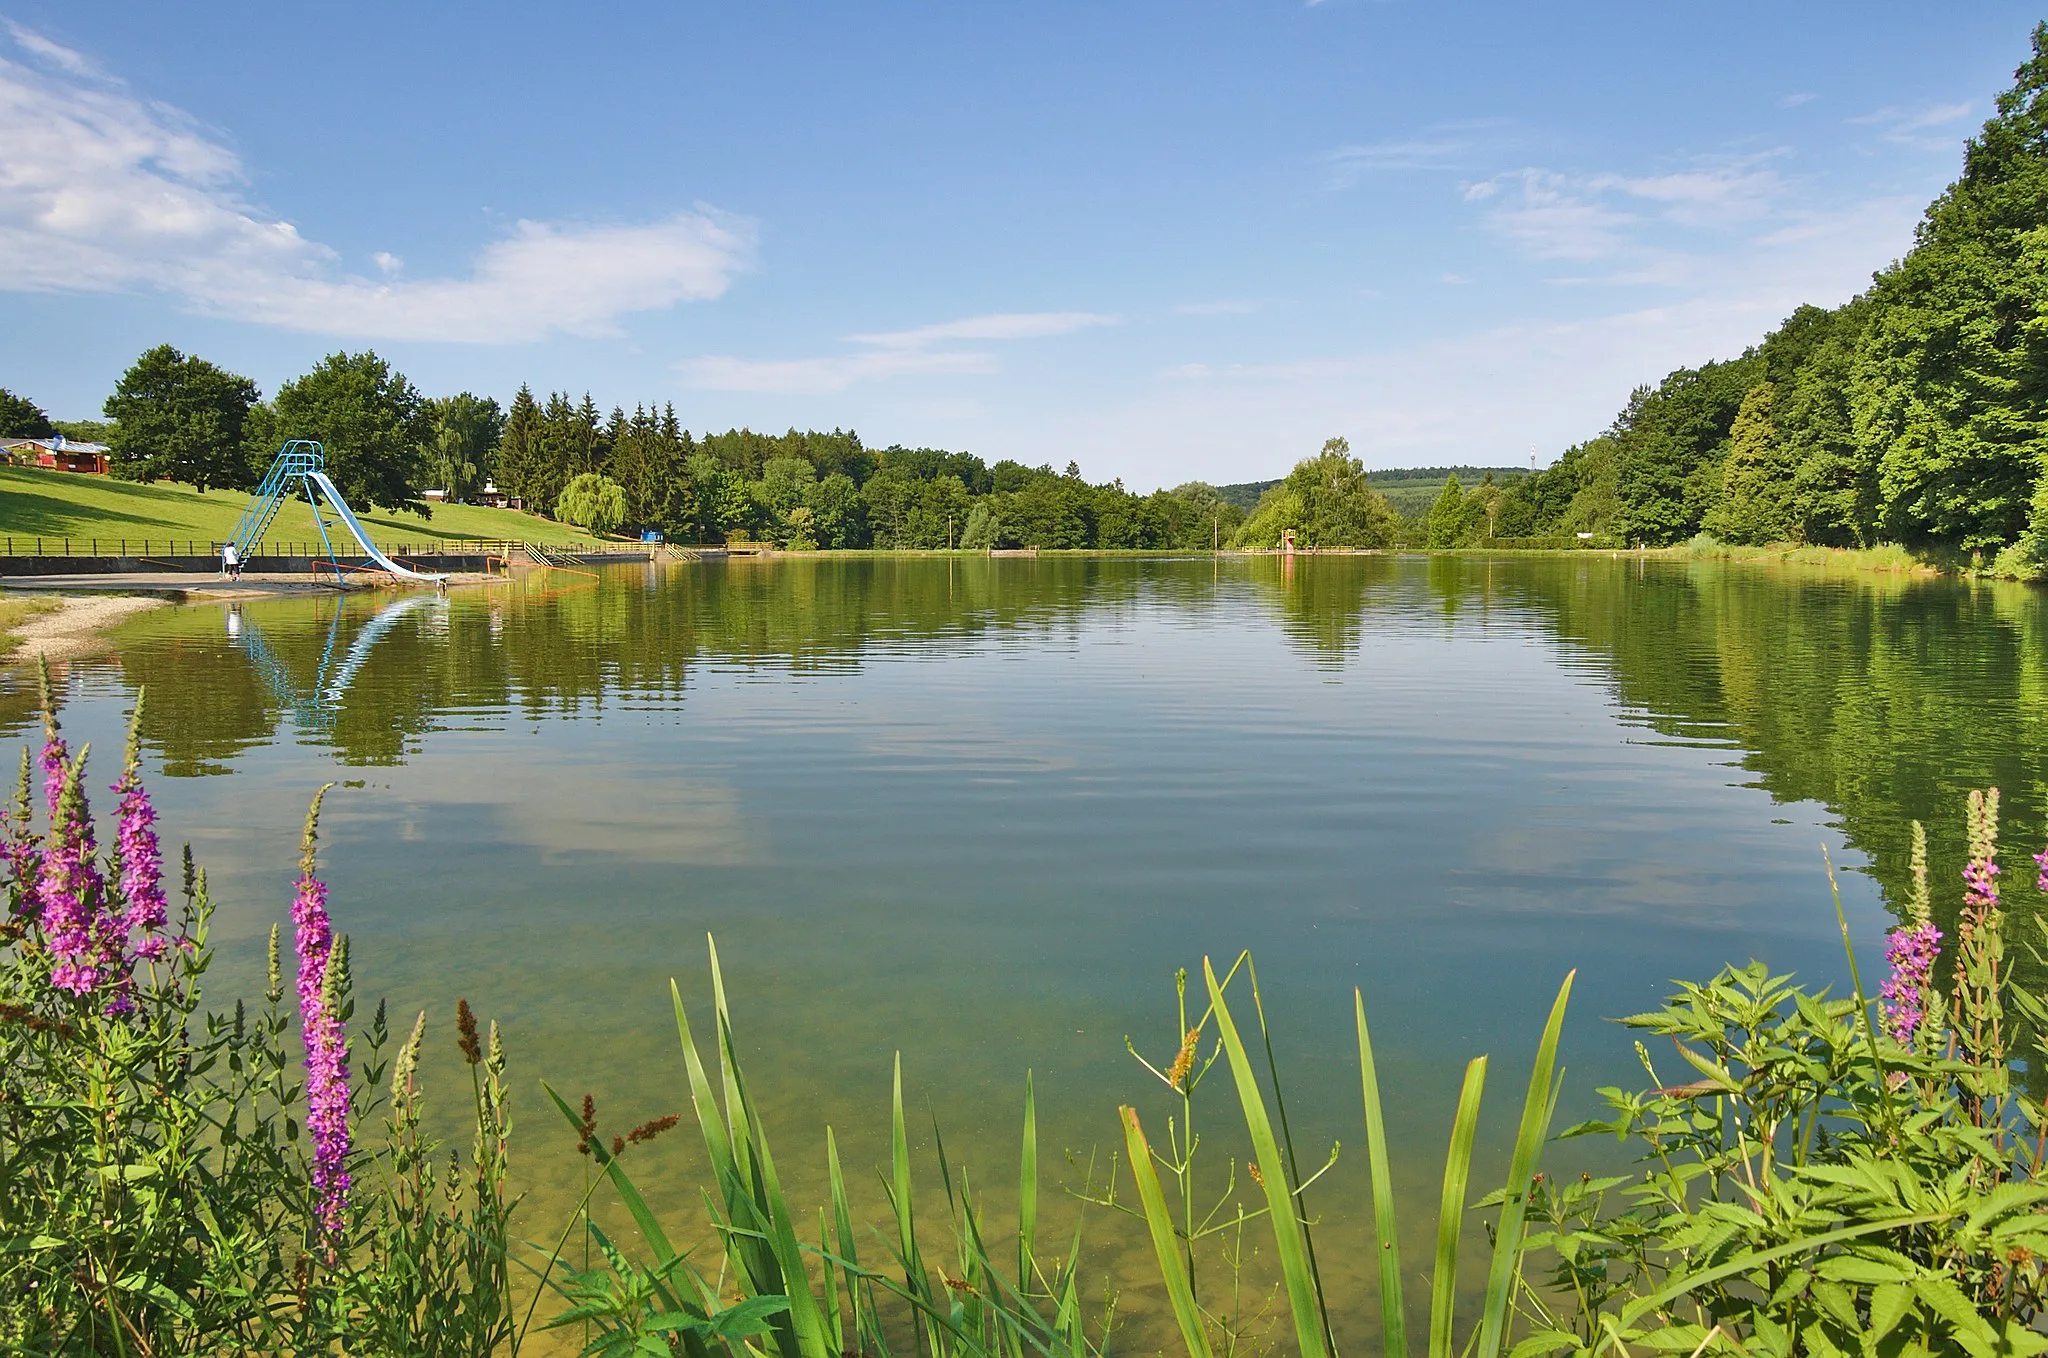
979 812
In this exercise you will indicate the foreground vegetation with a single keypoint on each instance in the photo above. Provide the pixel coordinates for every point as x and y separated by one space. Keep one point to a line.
1824 1174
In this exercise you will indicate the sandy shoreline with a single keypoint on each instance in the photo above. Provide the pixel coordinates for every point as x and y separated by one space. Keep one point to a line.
77 626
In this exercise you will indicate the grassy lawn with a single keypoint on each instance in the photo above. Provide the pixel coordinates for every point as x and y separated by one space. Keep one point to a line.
55 505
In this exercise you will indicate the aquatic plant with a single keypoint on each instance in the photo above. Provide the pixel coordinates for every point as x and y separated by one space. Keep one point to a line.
1828 1183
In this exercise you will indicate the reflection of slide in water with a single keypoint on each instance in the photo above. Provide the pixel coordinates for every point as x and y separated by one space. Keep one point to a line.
313 708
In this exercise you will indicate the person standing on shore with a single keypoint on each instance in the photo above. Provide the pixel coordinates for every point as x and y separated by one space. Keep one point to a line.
230 562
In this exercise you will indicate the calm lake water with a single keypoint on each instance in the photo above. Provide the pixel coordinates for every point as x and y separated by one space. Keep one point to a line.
979 811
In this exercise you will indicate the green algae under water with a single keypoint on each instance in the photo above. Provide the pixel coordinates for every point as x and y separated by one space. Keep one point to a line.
979 811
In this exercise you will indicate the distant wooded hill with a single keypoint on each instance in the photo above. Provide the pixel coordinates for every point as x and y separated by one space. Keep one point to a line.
1410 490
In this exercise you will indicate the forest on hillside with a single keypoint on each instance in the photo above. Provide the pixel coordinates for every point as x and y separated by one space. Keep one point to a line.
1914 413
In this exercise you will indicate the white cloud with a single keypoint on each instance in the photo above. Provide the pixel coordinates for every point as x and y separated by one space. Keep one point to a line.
1638 226
1443 146
51 53
1001 326
894 353
1224 307
103 191
1796 99
387 262
1917 126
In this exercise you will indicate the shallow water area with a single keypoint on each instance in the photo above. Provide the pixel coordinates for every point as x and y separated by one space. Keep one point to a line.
979 811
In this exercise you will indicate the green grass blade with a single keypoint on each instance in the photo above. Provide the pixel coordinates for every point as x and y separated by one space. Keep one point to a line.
1450 1220
1308 1235
1393 1306
1164 1243
1027 1193
900 1194
1507 1241
842 1221
1287 1235
710 1120
805 1322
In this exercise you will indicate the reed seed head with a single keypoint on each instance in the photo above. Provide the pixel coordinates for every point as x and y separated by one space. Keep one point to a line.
652 1128
465 1024
1184 1060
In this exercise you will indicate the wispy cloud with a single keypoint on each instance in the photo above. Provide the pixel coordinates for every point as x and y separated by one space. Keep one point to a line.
102 190
1238 306
1797 98
1444 146
1009 325
1926 127
1633 223
922 351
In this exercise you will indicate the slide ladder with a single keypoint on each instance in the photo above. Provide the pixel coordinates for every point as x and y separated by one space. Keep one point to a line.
302 464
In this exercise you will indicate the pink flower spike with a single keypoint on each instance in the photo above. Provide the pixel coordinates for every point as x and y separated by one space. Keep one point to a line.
1911 952
327 1079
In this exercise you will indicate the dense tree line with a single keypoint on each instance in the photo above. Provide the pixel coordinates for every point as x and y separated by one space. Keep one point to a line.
1915 413
179 417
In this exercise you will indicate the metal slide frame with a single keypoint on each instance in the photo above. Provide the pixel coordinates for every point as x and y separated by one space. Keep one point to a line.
302 464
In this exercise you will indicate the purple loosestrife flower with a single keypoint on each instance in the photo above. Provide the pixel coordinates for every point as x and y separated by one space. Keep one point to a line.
2041 882
140 856
1911 952
74 918
1980 874
326 1040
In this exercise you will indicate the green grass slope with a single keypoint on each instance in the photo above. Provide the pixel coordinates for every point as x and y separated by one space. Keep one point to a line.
57 505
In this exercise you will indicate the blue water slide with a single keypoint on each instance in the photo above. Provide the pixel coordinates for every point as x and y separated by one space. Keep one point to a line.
359 533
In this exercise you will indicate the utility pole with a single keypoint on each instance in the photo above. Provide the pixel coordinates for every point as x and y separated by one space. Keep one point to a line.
1216 529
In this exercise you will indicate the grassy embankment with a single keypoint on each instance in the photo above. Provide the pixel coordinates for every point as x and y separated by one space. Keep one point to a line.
58 505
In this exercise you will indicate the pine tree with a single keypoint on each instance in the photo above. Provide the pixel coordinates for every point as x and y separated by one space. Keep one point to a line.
516 447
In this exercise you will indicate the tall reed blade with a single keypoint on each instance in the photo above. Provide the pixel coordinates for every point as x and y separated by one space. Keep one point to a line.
1507 1241
1027 1194
805 1322
1393 1306
842 1224
1450 1219
1164 1244
1288 1242
899 1167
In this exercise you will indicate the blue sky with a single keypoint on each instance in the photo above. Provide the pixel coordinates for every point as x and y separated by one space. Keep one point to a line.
1167 240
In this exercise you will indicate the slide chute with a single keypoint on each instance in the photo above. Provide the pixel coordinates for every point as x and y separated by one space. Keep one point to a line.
302 464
